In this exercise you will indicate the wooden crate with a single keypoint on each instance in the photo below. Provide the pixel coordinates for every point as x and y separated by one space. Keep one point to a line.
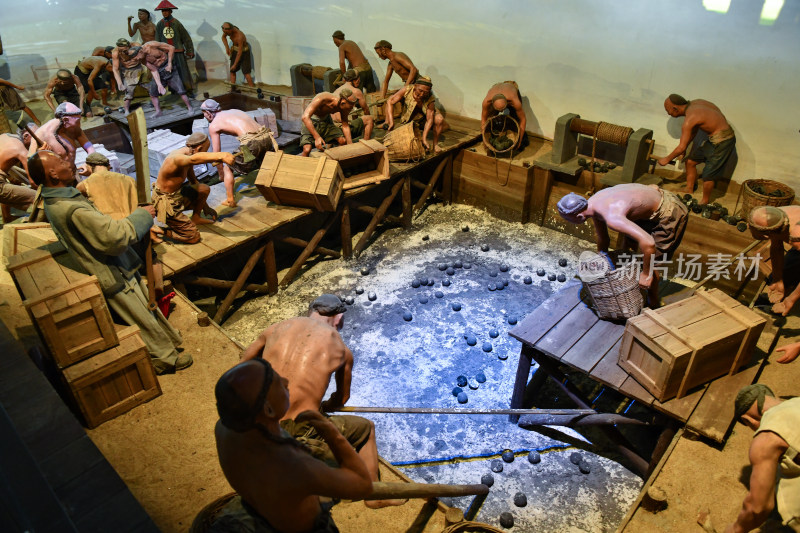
300 181
673 349
66 306
363 163
114 381
377 110
18 238
292 107
503 188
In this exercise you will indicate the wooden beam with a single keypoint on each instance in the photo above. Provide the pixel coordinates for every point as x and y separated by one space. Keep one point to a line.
223 284
295 241
460 411
138 128
418 184
408 210
431 183
382 490
347 238
599 419
270 267
376 218
372 210
306 253
238 284
447 181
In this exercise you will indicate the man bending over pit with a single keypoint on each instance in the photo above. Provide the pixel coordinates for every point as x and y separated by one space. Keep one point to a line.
171 193
307 351
318 128
158 58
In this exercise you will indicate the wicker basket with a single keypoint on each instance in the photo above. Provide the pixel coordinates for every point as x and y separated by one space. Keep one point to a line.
616 295
497 126
404 144
751 199
204 519
471 527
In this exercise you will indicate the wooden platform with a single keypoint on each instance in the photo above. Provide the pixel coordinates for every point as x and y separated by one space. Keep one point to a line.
564 330
172 114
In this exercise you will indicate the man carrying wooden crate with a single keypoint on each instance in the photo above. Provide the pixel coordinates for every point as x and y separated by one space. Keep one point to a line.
307 351
318 128
252 135
277 480
775 448
102 246
653 218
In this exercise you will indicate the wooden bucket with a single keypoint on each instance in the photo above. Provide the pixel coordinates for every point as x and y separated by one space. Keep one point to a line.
404 144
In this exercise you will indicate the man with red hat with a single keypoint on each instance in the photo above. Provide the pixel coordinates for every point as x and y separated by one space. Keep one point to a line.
170 30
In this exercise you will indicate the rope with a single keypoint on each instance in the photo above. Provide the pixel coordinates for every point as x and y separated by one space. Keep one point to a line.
606 132
494 153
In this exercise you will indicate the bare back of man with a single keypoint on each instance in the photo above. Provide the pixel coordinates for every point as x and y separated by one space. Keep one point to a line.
706 116
318 114
351 52
307 352
12 152
233 122
631 201
154 53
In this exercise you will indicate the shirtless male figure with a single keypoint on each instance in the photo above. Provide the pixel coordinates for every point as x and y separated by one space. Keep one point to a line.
127 69
504 99
145 26
251 134
64 87
419 104
238 51
348 50
277 481
399 63
17 190
653 218
63 134
10 100
171 194
307 351
361 125
318 128
90 71
157 57
712 136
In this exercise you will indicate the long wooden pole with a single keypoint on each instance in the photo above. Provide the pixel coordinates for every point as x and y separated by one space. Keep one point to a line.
382 490
457 411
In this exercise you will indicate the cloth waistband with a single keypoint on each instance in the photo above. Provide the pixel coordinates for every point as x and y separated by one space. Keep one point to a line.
721 136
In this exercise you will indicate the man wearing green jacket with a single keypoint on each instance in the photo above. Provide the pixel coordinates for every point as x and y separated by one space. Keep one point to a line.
102 247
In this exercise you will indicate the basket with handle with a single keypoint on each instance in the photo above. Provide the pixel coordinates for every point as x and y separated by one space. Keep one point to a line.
471 527
498 127
759 192
404 143
614 293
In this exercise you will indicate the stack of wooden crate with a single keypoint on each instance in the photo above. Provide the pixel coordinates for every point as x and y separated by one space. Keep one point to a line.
105 368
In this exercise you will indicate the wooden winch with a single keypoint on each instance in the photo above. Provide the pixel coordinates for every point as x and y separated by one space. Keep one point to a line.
576 138
308 80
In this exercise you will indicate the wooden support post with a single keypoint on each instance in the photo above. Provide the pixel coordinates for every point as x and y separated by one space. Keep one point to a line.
347 238
306 253
542 185
223 284
407 209
138 127
475 507
521 381
447 181
270 268
418 184
639 464
376 218
431 184
238 284
318 250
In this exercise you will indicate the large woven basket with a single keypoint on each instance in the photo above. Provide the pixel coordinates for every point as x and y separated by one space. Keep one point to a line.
204 519
498 126
471 527
751 198
404 143
616 295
